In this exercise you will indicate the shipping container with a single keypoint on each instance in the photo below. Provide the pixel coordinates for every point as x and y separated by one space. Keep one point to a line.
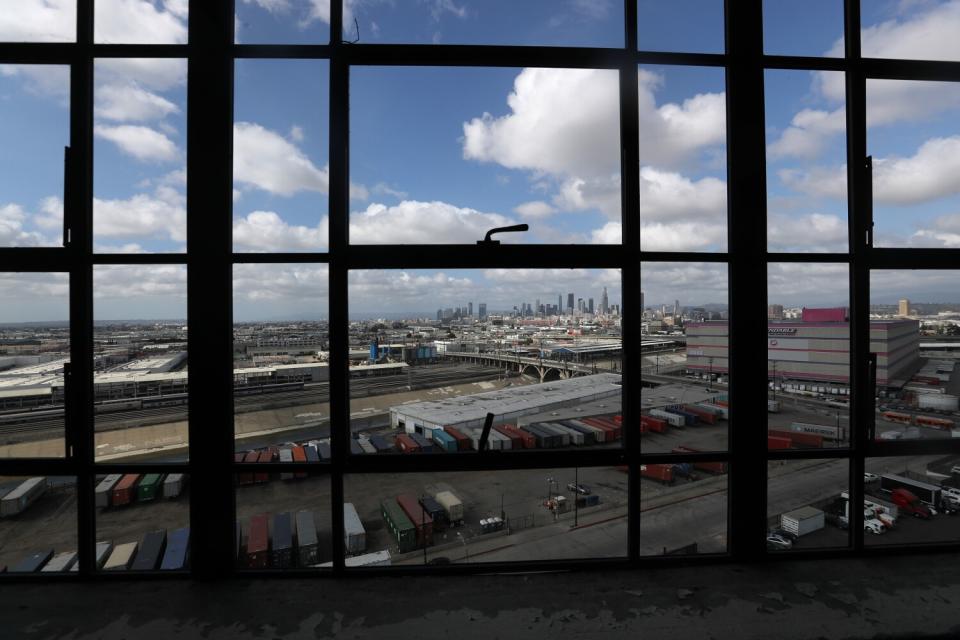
150 487
375 559
612 430
33 562
463 442
444 441
323 449
310 452
281 548
589 433
656 425
565 436
308 547
527 441
299 455
264 457
802 521
24 495
425 444
366 446
399 525
671 418
173 485
177 555
125 491
828 431
122 557
689 419
588 501
62 562
246 477
702 414
435 511
712 467
381 444
258 542
105 488
496 441
152 546
286 456
406 444
516 442
660 472
103 551
809 440
722 411
355 449
452 506
418 516
773 442
354 534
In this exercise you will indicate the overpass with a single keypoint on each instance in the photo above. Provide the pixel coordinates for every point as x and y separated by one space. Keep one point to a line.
546 370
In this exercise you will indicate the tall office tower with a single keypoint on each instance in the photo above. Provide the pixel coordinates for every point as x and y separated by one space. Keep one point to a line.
482 310
560 304
470 309
439 314
641 301
604 302
775 312
536 308
580 306
904 309
676 307
570 306
590 306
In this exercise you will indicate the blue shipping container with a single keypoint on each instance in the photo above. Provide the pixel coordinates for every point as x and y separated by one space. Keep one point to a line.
445 441
426 446
177 555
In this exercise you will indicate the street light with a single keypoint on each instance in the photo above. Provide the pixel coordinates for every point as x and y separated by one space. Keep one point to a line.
466 552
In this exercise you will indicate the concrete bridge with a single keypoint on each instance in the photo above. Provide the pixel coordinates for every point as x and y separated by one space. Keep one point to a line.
546 370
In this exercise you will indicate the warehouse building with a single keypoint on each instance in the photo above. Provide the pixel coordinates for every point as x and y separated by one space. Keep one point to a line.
816 348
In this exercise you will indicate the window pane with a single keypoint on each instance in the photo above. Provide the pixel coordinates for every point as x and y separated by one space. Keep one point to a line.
598 23
39 21
690 26
448 160
280 150
34 129
685 357
910 30
541 349
281 347
683 166
909 499
283 22
683 508
806 125
140 140
140 21
913 326
804 508
487 516
38 530
34 348
813 28
143 522
913 137
284 521
140 351
808 356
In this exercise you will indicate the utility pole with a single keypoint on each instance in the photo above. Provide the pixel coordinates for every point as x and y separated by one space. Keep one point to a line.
576 494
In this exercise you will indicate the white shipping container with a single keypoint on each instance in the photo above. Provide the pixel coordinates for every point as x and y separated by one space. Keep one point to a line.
122 557
104 549
451 505
61 562
23 496
802 521
671 418
173 485
104 489
939 402
354 535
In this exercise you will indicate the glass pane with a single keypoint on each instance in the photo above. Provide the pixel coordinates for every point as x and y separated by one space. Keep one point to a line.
34 348
912 136
907 500
806 125
541 349
449 160
913 328
38 527
34 129
283 521
683 508
911 30
597 23
690 26
140 355
813 28
39 21
281 347
683 166
280 150
486 516
140 21
808 356
685 357
804 507
282 22
143 522
140 141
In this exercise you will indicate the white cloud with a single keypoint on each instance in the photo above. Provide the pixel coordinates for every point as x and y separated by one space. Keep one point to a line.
51 214
383 189
610 233
134 284
440 7
273 6
929 34
302 284
595 9
580 194
943 231
45 80
820 182
808 134
129 247
12 233
665 195
39 20
811 284
809 232
163 215
535 210
682 236
692 283
157 74
414 222
296 133
267 231
266 160
143 143
140 21
131 103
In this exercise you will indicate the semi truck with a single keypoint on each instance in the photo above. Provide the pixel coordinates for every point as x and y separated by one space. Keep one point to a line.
802 521
18 500
927 493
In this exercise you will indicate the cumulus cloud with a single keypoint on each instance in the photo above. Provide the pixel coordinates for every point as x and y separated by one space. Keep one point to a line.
156 74
140 21
266 160
926 34
415 222
808 284
51 214
301 283
13 219
682 236
610 233
142 143
39 21
399 290
131 103
45 80
692 283
534 210
820 182
943 231
808 134
267 231
136 283
162 214
807 232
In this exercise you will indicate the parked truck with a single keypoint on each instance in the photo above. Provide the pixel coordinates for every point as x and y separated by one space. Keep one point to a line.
308 549
18 500
802 521
104 488
909 503
354 534
928 493
452 506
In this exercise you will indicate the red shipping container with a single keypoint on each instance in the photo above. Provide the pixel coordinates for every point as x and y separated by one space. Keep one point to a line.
618 419
463 442
125 491
613 431
299 455
418 516
515 441
774 442
721 403
250 456
660 472
806 439
406 444
712 467
258 542
527 440
263 476
655 425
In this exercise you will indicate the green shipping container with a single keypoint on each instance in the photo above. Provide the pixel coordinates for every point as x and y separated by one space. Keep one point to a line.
399 525
150 487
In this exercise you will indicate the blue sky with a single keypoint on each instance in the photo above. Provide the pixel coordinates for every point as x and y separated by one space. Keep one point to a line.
442 154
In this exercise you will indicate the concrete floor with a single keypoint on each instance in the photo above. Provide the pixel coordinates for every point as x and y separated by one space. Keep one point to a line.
895 597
